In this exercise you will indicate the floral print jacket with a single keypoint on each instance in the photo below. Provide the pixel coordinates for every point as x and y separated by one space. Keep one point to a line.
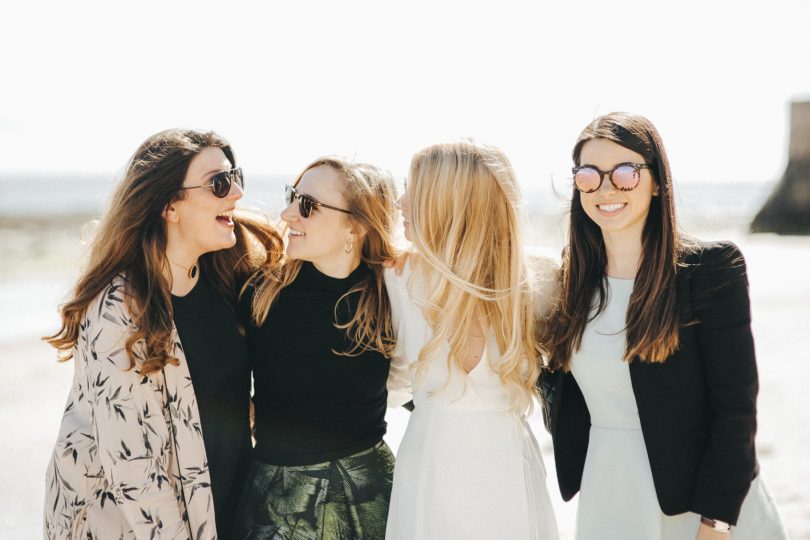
129 461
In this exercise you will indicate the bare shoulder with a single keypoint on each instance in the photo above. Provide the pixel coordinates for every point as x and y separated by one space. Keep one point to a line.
543 263
402 265
544 267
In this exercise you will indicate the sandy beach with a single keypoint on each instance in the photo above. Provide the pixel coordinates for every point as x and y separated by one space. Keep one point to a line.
40 262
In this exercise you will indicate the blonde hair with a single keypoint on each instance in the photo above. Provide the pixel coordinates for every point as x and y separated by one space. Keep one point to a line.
466 225
370 194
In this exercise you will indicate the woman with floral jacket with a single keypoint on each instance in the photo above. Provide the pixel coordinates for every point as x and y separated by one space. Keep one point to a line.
155 435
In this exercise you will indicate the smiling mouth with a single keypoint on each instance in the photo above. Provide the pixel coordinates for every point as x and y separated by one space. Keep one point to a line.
611 208
296 234
226 218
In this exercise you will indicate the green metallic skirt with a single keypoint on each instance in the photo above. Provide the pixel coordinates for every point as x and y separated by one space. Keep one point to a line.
344 499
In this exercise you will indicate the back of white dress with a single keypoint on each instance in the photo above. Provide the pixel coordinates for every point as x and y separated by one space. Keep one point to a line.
468 465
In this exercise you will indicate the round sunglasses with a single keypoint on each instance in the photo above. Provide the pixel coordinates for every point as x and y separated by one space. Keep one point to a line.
220 184
306 203
624 176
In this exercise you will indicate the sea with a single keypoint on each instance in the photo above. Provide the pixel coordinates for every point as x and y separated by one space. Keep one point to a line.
700 203
46 222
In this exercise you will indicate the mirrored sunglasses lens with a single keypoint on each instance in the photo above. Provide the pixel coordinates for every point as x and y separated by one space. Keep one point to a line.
289 195
587 179
626 177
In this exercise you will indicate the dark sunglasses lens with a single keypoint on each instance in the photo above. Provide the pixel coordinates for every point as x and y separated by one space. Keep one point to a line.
221 184
587 179
238 177
289 195
626 177
305 205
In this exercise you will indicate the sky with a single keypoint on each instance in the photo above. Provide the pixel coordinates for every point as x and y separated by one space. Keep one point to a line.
85 82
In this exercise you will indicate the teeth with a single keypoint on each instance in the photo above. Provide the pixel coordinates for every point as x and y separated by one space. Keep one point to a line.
611 207
227 214
293 232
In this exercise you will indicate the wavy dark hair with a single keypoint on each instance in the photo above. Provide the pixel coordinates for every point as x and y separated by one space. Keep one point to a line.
653 318
131 243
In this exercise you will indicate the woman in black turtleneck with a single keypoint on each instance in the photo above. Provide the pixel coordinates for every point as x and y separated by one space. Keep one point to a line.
320 350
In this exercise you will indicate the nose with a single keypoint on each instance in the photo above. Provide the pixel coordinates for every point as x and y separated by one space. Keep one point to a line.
236 192
290 213
607 184
399 201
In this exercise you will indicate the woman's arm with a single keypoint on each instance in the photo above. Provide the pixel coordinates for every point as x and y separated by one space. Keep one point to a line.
399 377
726 346
134 445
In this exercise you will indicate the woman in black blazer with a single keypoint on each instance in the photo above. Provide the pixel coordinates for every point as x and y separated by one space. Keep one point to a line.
652 381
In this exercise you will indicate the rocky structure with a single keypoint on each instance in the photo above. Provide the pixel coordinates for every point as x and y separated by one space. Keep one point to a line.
787 210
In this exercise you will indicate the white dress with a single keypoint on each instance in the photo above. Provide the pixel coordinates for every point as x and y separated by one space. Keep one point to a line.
617 497
467 467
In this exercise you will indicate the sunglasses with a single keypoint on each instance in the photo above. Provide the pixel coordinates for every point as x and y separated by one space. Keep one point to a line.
624 176
221 182
306 203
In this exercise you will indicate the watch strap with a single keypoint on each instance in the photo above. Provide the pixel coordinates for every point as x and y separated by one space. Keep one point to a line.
716 524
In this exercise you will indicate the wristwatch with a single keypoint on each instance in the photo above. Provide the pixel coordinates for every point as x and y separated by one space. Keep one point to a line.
716 524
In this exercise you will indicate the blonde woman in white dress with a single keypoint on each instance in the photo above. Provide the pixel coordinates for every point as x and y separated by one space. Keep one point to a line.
465 310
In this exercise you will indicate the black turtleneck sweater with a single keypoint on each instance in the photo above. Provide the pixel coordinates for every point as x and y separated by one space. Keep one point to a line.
313 405
217 359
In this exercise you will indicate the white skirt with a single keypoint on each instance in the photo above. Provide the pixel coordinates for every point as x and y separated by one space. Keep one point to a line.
469 474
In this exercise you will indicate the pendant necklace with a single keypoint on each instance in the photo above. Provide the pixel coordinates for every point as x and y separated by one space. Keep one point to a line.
192 272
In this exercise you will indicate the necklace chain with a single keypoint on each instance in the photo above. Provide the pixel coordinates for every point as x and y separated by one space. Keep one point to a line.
192 270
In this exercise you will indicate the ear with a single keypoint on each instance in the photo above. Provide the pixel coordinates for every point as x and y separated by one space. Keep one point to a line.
358 230
170 214
355 228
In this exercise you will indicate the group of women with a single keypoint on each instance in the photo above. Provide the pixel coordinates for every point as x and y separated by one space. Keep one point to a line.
640 341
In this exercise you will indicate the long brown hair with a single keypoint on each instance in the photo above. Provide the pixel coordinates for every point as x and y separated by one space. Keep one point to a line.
652 324
130 243
370 194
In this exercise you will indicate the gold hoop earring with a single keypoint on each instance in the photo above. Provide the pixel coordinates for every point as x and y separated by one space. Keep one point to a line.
348 247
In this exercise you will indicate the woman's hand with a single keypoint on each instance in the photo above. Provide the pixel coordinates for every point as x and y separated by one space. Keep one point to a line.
707 533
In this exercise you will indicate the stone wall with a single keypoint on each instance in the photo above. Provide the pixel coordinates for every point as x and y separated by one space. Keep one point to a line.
787 210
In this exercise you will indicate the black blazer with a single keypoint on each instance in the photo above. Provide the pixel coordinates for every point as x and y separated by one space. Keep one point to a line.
697 409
